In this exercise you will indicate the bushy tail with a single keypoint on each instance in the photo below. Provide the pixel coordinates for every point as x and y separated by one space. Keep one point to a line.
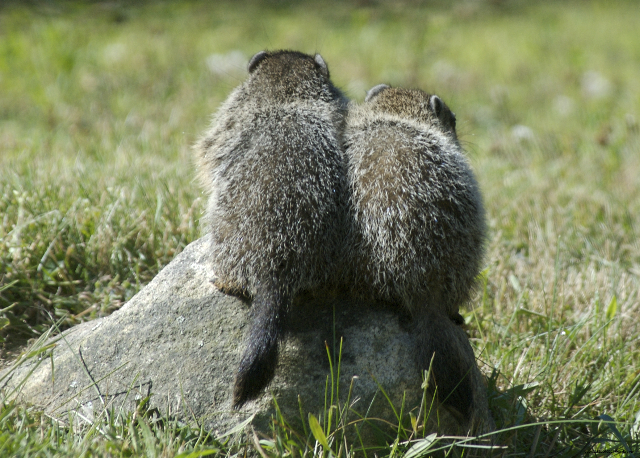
269 312
459 382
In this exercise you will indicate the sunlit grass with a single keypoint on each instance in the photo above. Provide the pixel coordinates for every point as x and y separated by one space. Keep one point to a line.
100 104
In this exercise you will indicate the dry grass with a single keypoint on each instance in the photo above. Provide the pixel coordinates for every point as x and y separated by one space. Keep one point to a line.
100 104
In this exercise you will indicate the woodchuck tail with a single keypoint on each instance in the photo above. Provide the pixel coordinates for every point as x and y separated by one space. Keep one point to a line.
269 313
459 383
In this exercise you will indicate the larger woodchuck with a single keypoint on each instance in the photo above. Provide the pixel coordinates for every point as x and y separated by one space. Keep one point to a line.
273 166
419 230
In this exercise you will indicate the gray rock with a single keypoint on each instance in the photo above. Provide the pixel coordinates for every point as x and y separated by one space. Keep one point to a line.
180 340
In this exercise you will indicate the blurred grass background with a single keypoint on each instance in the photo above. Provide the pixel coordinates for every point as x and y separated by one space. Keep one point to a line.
100 103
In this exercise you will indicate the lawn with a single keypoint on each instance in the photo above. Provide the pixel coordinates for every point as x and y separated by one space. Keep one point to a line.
100 104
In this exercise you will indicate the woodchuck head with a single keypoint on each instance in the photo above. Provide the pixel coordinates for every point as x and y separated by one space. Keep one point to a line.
291 76
414 104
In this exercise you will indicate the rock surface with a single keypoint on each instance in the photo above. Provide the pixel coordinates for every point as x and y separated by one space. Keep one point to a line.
180 340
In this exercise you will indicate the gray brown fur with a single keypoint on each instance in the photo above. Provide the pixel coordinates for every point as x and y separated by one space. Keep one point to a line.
273 166
419 227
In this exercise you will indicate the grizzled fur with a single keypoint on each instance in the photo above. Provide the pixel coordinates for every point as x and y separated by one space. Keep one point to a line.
273 165
419 228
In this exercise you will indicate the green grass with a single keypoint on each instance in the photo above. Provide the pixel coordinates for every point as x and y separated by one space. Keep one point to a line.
100 104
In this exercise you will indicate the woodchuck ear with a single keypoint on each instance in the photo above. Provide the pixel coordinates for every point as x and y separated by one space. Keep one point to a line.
375 90
255 60
445 115
436 104
322 65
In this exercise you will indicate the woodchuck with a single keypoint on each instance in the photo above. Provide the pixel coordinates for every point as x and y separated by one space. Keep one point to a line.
273 166
418 231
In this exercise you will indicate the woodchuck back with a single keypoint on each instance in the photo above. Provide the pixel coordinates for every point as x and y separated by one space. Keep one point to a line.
273 166
418 229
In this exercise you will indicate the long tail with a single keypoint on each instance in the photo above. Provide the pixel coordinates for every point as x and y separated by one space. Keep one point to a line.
269 313
454 367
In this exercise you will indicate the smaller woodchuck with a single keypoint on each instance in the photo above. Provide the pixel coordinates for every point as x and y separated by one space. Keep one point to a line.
274 168
419 230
